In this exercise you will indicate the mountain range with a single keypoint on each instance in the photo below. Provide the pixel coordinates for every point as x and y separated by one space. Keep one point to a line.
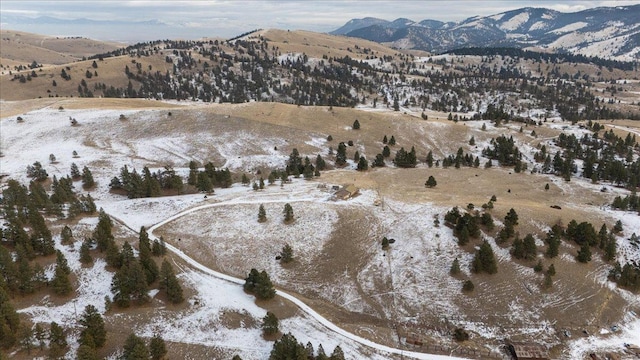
609 32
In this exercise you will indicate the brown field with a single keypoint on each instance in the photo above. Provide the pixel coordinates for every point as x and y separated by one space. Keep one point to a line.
316 44
27 47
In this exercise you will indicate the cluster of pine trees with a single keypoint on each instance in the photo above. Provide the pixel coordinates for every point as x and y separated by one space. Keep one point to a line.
147 184
205 180
259 284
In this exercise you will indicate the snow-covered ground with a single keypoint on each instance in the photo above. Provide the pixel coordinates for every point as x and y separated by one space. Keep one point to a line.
426 252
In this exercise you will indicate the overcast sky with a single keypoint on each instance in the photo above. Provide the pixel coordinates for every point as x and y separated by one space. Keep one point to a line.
226 18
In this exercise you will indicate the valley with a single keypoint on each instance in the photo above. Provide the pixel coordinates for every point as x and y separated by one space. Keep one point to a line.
189 139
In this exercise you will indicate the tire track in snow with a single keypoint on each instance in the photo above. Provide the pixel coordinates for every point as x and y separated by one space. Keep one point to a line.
301 305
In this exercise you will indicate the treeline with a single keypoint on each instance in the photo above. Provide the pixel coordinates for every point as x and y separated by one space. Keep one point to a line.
546 57
147 184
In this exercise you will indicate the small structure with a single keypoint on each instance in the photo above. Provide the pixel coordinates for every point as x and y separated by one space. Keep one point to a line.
527 351
346 192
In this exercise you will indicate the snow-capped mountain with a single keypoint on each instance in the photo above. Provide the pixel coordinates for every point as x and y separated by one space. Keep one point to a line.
610 32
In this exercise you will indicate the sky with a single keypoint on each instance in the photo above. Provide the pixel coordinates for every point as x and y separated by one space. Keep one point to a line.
226 18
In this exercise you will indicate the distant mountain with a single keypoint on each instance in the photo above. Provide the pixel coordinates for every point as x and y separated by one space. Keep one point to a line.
355 24
610 32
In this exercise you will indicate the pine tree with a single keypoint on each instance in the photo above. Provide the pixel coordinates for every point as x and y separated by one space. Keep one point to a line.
320 163
87 178
288 213
468 286
87 352
169 282
455 267
102 233
529 246
484 260
262 214
93 327
356 125
113 257
341 155
75 172
259 284
158 248
25 336
270 324
286 255
553 245
148 264
584 254
288 348
392 141
61 283
431 182
129 284
386 152
40 335
57 341
66 236
363 164
135 349
337 354
157 347
85 255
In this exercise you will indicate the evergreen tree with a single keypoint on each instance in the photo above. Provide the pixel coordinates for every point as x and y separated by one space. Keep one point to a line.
157 347
87 178
286 255
66 235
363 164
386 152
288 348
392 141
135 349
158 248
9 320
40 335
25 336
87 352
85 255
262 214
610 248
169 283
75 172
288 213
551 271
259 284
341 155
337 354
484 260
584 254
384 139
150 268
378 161
356 125
61 283
94 330
529 246
270 324
113 257
455 267
431 182
511 217
320 163
102 233
430 159
553 243
129 284
193 173
57 341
